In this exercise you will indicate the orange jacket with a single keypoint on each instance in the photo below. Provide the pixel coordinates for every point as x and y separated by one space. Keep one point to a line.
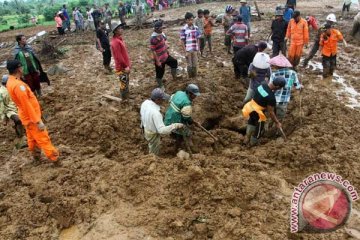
330 44
26 102
298 33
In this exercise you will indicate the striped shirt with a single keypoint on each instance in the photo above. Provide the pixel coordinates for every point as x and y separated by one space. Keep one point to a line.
283 95
239 32
158 45
190 36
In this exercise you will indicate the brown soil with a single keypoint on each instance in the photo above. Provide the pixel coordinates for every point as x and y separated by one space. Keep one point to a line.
109 188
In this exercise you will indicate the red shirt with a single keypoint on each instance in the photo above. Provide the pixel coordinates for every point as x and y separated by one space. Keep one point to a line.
312 22
120 53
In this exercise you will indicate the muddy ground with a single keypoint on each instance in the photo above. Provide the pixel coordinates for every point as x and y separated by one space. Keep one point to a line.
109 188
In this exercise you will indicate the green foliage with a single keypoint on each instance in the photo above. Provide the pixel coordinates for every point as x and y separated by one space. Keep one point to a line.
3 21
25 18
83 3
50 11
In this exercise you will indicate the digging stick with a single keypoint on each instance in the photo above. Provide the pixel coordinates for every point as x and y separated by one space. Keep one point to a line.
282 133
209 133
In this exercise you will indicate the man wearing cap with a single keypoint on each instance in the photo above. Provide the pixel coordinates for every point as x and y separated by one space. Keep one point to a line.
121 58
30 63
180 109
328 49
161 55
239 33
29 113
244 57
259 72
152 120
245 13
330 19
103 44
298 34
8 109
263 100
282 69
278 31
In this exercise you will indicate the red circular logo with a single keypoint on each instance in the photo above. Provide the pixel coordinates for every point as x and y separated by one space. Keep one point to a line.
325 207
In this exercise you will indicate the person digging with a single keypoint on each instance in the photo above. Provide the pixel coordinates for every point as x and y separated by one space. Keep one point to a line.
180 111
152 120
263 100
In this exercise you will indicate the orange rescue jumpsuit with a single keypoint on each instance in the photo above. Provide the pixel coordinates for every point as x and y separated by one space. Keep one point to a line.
30 114
298 33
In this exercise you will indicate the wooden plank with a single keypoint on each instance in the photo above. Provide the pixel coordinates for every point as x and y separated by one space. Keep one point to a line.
107 96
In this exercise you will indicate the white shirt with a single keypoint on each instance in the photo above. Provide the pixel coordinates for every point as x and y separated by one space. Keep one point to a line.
90 17
151 118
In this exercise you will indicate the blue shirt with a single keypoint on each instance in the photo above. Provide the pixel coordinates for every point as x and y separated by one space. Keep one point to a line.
283 95
66 15
245 13
288 13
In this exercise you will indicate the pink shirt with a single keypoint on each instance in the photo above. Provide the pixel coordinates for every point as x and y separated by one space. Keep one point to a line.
58 21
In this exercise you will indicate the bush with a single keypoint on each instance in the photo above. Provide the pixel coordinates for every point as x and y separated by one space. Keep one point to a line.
49 12
3 21
23 18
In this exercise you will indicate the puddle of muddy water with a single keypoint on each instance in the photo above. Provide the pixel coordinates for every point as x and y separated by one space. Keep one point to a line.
352 98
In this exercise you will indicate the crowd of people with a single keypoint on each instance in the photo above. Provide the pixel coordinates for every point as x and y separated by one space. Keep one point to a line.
270 79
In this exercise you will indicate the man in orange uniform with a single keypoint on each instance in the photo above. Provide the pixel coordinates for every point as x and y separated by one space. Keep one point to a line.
29 113
298 33
328 48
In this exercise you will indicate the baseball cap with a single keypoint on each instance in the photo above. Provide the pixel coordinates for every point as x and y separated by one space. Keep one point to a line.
158 93
12 65
158 24
194 89
261 45
4 79
279 82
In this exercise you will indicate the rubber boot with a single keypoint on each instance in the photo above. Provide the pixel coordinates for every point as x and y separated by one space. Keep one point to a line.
253 141
250 130
194 72
160 82
36 154
190 72
174 73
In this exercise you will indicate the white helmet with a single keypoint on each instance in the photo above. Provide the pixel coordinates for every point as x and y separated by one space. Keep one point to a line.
261 60
331 17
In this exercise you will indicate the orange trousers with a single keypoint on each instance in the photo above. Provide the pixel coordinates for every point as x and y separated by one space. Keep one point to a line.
294 54
40 140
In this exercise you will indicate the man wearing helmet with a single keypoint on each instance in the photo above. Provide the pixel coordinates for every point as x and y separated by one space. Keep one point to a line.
330 19
263 100
152 120
180 109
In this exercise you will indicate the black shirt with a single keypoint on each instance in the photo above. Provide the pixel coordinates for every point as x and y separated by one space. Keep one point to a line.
278 28
103 36
264 96
246 54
